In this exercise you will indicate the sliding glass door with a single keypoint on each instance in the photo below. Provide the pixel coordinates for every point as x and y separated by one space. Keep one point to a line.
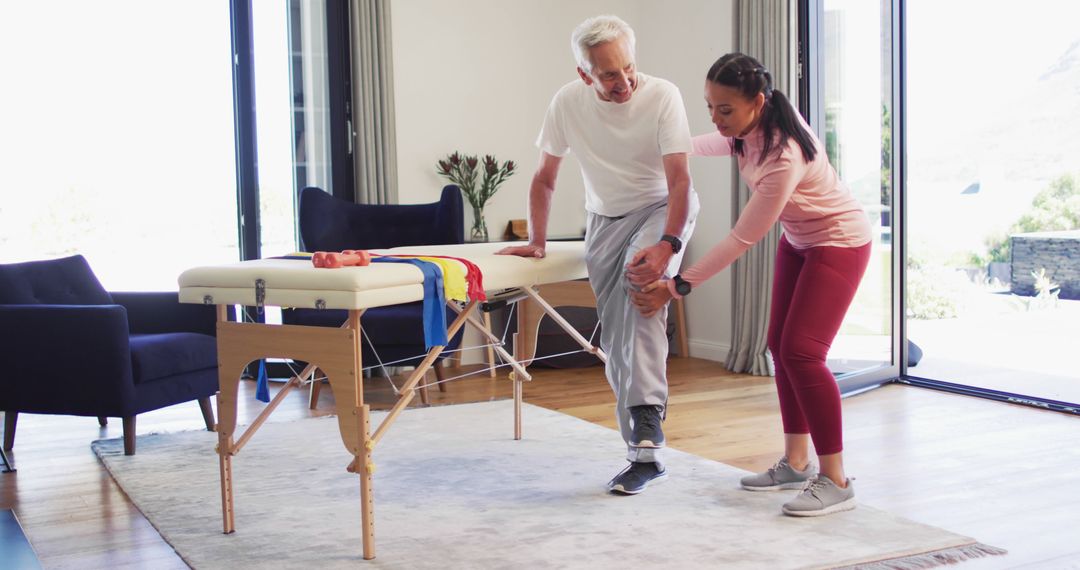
993 196
851 108
292 118
960 145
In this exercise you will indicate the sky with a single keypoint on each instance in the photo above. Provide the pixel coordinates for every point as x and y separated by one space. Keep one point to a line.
968 59
976 114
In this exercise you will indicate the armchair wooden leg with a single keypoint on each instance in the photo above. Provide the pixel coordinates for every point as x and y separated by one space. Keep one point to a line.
129 435
423 391
207 413
10 418
6 468
440 376
102 421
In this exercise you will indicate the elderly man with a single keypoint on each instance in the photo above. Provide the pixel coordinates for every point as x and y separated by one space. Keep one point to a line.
630 135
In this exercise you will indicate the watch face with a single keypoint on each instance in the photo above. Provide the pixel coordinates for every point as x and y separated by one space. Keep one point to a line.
682 287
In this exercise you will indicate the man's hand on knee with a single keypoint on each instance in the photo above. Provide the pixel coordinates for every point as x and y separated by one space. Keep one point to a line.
648 265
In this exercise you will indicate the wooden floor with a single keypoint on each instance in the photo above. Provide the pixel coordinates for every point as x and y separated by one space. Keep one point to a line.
1004 474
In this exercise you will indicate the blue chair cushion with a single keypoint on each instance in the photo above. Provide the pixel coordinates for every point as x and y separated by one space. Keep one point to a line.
156 356
65 281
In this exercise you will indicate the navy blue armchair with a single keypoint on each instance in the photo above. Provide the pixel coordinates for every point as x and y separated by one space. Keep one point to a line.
331 224
72 348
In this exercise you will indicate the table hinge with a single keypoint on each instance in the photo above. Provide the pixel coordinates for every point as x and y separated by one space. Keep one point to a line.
260 294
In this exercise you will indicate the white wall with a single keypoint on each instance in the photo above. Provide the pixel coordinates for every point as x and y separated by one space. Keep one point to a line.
477 76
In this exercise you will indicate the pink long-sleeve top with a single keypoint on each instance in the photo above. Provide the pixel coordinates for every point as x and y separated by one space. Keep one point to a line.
813 206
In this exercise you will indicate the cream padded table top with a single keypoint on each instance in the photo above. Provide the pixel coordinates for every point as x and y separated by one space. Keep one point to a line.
296 283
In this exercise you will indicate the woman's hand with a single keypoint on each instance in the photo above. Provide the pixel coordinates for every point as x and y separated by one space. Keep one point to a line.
522 251
651 298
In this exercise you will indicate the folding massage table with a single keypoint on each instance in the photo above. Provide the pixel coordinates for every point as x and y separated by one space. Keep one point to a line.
297 283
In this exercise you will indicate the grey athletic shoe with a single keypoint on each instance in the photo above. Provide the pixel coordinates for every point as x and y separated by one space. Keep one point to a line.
646 422
821 497
636 477
778 477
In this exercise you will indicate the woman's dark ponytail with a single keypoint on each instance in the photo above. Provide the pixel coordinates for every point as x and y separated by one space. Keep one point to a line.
778 118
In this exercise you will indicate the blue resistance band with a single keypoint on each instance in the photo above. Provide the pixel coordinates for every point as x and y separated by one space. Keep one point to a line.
434 312
434 296
262 384
434 299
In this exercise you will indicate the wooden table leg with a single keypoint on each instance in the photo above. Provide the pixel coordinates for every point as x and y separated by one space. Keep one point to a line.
367 501
366 466
230 365
225 465
518 397
490 349
519 351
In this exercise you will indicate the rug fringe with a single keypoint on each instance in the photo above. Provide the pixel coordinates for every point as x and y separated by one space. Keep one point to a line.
934 559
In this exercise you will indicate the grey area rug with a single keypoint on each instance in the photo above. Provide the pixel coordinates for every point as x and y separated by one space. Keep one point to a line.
454 490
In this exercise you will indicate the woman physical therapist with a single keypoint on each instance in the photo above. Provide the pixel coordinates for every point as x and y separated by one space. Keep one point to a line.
819 262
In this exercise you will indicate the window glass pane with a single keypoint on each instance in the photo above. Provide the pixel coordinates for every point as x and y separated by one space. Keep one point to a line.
310 81
273 106
292 121
118 137
993 269
857 91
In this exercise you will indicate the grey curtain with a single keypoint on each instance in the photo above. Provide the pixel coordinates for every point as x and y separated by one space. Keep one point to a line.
764 33
374 154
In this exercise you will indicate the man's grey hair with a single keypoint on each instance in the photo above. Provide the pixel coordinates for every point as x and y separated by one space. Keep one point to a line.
595 31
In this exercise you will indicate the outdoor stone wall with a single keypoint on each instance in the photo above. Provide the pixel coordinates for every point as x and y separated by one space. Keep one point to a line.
1057 252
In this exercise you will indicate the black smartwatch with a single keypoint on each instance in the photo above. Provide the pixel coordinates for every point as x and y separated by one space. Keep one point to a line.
676 243
682 286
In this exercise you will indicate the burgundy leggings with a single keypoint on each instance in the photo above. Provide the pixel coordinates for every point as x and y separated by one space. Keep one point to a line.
812 290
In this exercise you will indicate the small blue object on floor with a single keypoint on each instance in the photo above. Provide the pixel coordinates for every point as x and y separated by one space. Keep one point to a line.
15 551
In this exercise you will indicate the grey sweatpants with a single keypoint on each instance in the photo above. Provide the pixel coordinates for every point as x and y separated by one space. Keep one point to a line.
636 347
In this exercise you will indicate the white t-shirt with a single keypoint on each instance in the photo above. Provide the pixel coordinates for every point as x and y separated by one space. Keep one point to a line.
620 146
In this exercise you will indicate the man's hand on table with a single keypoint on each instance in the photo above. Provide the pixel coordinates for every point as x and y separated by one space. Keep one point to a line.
523 251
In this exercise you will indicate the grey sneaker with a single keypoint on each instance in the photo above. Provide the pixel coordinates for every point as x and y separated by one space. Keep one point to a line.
778 477
820 497
646 422
636 477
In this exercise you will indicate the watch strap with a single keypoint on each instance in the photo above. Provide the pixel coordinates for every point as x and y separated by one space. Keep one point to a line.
676 243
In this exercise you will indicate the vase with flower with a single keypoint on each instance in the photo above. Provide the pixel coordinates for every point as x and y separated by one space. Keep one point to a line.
478 180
